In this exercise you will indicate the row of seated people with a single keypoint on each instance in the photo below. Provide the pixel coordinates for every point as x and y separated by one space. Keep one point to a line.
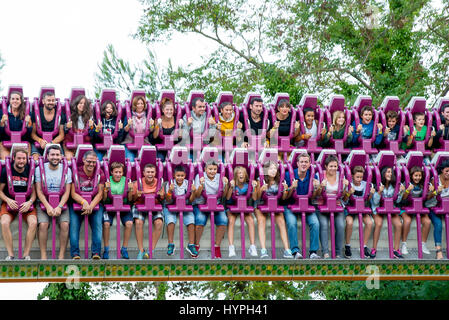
223 124
321 191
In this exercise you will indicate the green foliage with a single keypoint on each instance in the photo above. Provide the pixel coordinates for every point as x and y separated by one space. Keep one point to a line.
60 291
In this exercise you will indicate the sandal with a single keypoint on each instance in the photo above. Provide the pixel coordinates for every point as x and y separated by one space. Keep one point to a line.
436 254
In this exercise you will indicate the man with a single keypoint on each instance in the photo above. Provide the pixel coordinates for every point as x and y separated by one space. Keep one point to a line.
20 173
87 181
47 115
301 181
53 178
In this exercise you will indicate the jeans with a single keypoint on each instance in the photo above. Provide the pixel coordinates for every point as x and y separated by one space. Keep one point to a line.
161 155
292 230
339 221
437 227
130 154
100 154
220 217
95 222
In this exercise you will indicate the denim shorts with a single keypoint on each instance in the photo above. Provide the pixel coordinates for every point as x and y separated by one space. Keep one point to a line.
124 217
142 215
201 217
171 217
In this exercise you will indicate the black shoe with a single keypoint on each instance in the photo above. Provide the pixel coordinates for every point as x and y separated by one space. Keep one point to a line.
367 253
397 254
348 253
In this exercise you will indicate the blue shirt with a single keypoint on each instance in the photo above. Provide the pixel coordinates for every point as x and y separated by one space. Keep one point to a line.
303 185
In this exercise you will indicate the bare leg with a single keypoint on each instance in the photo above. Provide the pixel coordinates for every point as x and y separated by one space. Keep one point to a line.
42 238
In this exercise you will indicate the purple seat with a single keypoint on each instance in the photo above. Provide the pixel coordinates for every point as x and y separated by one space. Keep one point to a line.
53 197
436 114
331 202
357 205
240 157
337 103
168 141
146 155
227 142
116 153
19 197
256 140
79 137
180 156
77 161
284 143
310 101
108 138
387 205
37 104
16 136
211 200
138 137
302 202
416 205
391 103
418 104
365 144
443 203
271 203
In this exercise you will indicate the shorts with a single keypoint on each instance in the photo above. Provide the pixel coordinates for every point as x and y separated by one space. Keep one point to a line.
124 217
170 217
43 217
4 211
220 217
142 215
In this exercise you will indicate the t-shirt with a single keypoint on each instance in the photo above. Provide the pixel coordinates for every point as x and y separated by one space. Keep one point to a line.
147 188
87 183
19 180
52 177
117 188
359 191
48 126
179 190
256 127
210 186
241 191
284 125
303 185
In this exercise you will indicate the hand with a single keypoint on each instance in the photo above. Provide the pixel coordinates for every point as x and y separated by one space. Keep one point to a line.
295 184
307 136
239 125
12 204
406 130
331 129
139 193
189 121
3 120
401 188
266 144
372 190
431 188
85 207
159 122
50 211
130 186
90 123
107 185
171 188
25 207
212 121
245 145
345 183
99 126
380 126
352 190
410 187
151 123
180 123
387 131
350 129
42 143
323 131
442 127
130 123
316 184
434 133
359 128
69 124
202 181
381 188
28 120
297 125
276 125
414 133
440 188
264 187
57 212
225 181
161 193
284 184
120 125
323 183
232 183
254 183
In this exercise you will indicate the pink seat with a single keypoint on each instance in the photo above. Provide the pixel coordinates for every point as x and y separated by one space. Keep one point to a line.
78 137
436 114
310 101
138 137
391 103
365 144
418 104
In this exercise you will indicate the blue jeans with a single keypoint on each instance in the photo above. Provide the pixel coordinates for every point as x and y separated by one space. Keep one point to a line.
437 227
292 230
100 154
221 219
95 222
339 221
130 154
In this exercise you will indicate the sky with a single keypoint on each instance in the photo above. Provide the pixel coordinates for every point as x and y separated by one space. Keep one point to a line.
61 43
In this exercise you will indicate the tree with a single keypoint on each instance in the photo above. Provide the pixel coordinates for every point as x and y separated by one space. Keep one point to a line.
60 291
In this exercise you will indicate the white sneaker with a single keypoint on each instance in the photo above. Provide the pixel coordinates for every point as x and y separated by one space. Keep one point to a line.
263 253
9 258
27 258
231 251
288 254
252 250
424 248
404 248
297 255
314 256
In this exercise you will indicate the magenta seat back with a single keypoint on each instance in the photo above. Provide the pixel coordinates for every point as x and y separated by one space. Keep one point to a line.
179 156
240 157
418 104
15 136
311 101
108 139
392 103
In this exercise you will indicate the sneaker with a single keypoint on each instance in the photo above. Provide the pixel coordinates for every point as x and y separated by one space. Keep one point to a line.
263 253
425 250
297 255
191 248
288 254
252 250
404 248
231 251
197 247
124 253
217 252
140 255
106 253
348 253
77 257
27 258
373 253
170 249
326 256
96 256
9 258
367 253
313 255
146 255
397 254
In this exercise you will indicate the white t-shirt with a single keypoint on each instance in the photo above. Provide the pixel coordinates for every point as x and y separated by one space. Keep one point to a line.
210 186
52 177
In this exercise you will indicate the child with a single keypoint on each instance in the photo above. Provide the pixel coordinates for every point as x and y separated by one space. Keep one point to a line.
337 130
311 128
149 185
391 132
271 187
117 186
209 183
415 190
386 190
179 187
225 125
419 132
358 187
366 127
239 185
443 130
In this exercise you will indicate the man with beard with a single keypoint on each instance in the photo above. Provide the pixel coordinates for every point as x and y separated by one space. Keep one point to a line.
255 121
53 179
20 172
47 116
